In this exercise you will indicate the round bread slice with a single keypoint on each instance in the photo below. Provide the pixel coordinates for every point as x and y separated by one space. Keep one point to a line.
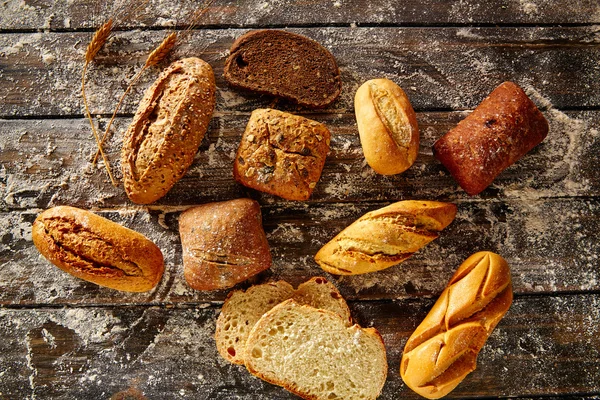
286 65
312 353
242 310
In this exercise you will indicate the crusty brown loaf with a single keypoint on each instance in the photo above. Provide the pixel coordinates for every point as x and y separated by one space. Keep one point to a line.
282 154
444 347
284 64
314 354
167 129
223 244
97 250
242 310
501 130
387 124
385 237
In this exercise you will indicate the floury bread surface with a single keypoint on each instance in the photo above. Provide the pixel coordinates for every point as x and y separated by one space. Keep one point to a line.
313 353
443 349
223 244
387 124
167 129
385 237
97 250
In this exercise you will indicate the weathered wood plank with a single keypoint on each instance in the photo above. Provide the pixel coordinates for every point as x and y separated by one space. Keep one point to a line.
46 162
550 244
436 66
544 346
43 14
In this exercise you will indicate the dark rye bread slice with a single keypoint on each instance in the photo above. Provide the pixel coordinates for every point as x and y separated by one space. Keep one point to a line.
286 65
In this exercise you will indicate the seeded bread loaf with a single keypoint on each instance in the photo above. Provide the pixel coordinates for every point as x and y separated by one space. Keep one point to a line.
97 250
314 354
223 244
286 65
443 349
385 237
501 130
167 129
242 310
281 154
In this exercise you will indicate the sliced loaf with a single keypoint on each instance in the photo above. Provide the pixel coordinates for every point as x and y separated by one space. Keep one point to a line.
242 310
284 64
312 353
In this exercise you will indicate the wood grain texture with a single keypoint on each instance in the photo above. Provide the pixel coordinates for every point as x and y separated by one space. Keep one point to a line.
549 244
77 14
169 353
435 66
46 163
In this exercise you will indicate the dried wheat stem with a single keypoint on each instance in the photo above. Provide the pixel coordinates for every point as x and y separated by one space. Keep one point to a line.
98 40
156 56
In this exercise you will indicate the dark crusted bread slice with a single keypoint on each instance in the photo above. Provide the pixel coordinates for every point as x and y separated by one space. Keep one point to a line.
284 64
313 353
242 310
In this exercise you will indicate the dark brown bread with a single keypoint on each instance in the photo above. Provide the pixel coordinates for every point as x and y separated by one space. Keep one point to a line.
284 64
98 250
223 244
501 130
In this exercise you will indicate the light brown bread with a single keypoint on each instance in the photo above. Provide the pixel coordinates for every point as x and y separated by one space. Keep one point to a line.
501 130
443 349
242 310
223 244
387 124
97 250
167 129
314 354
385 237
282 154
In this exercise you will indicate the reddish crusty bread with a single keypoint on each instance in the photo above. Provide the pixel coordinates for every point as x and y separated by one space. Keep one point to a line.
443 349
286 65
501 130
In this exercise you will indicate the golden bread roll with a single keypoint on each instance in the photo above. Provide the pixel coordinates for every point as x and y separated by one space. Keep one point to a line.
97 250
387 124
385 237
444 347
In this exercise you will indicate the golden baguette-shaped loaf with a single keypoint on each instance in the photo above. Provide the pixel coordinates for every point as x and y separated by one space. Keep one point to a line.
444 347
385 237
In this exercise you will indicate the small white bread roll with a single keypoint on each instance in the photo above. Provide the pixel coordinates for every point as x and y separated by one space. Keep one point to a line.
387 125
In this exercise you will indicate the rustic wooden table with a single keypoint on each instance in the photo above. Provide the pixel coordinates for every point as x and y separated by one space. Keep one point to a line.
64 338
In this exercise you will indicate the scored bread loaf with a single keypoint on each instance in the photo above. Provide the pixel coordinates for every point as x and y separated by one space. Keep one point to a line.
385 237
242 310
314 354
444 347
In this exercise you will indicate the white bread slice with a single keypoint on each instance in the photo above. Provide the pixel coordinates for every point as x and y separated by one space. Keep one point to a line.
242 310
314 354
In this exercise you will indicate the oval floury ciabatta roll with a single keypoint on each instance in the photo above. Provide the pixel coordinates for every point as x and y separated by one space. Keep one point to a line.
97 250
385 237
501 130
444 347
167 129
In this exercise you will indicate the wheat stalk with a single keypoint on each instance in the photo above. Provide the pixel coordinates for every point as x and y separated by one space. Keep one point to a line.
98 40
156 56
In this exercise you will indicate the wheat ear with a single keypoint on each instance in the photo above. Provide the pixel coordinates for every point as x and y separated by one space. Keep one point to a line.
156 56
98 40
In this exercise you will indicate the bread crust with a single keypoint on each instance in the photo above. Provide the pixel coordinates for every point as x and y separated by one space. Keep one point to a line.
97 250
387 124
223 244
501 130
443 349
385 237
167 129
268 61
281 154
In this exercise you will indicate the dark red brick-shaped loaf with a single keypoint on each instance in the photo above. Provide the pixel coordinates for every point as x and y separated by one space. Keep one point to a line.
286 65
501 130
